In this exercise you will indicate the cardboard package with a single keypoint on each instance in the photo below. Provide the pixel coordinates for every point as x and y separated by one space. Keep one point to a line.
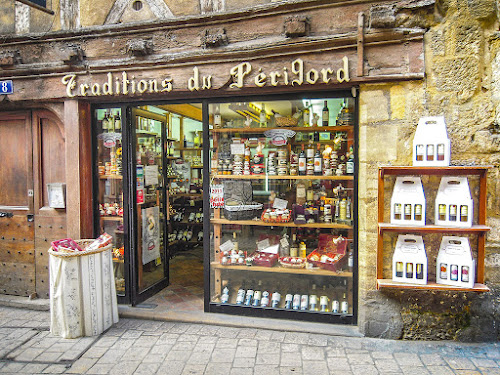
455 264
408 202
454 205
409 261
431 145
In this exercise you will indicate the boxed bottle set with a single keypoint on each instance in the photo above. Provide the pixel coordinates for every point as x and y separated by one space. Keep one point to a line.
408 202
431 145
455 264
409 261
454 205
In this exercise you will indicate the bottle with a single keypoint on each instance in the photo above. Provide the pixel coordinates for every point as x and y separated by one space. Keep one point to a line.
185 141
288 300
343 209
325 115
407 211
323 300
418 212
430 152
257 295
263 117
344 306
464 216
318 159
296 301
335 306
217 117
118 122
397 211
453 212
249 296
442 212
313 299
225 295
349 166
294 247
399 269
304 302
275 299
348 209
105 122
240 296
302 250
236 246
302 162
305 116
265 300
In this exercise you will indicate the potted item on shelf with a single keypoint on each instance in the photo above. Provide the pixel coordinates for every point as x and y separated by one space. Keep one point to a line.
409 261
455 264
431 145
454 205
331 253
408 201
292 262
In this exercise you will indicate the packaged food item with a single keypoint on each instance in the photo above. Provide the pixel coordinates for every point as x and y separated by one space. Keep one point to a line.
65 245
101 241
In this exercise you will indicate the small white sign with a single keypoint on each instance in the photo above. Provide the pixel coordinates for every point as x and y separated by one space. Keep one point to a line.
227 246
261 245
151 175
280 204
237 148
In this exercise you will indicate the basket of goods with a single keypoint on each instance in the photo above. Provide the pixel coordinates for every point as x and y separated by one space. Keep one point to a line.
242 211
273 215
330 254
285 121
292 262
233 258
69 248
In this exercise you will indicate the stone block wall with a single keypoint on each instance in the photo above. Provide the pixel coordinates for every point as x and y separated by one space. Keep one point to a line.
462 58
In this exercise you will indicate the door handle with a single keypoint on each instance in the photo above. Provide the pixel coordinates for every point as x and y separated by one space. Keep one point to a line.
31 218
6 214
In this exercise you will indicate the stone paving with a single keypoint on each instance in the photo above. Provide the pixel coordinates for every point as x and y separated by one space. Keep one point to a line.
135 346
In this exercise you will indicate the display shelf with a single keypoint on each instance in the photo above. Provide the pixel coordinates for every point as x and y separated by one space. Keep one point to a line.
142 133
289 224
197 167
173 157
185 223
116 260
386 227
287 177
278 269
190 148
111 218
389 284
480 229
111 177
183 195
295 129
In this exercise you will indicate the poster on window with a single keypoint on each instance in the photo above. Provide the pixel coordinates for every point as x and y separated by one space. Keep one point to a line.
150 234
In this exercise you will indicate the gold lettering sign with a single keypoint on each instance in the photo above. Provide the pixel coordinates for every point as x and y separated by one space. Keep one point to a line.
124 84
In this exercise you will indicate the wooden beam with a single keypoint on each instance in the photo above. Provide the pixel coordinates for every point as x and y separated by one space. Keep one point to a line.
360 45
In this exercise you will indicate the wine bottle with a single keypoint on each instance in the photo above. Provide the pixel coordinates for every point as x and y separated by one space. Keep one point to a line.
249 295
257 295
118 122
263 117
318 170
225 294
349 167
325 115
302 162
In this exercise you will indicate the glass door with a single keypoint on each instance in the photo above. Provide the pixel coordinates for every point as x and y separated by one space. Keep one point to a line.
149 261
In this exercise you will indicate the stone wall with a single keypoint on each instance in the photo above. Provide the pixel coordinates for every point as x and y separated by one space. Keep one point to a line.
462 83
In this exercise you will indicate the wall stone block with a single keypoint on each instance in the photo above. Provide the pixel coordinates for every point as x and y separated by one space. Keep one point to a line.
457 74
482 9
469 38
398 102
373 106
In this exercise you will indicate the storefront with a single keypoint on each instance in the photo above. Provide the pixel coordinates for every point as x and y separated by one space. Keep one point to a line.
264 155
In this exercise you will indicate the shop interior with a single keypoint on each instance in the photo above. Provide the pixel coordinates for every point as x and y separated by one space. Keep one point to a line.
169 199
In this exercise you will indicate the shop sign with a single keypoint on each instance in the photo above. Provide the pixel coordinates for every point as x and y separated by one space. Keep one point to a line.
241 75
6 87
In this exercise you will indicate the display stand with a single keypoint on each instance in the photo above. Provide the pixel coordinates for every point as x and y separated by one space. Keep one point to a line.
82 292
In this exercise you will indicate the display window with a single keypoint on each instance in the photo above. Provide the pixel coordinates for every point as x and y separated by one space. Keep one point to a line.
283 208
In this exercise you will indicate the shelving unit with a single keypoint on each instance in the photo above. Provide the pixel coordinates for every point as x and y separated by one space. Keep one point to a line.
480 229
335 283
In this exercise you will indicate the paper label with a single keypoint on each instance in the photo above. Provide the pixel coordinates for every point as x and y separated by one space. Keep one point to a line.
280 204
261 245
271 249
217 196
238 148
284 242
227 246
151 175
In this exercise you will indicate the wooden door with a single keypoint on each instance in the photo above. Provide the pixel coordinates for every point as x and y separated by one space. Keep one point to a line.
17 255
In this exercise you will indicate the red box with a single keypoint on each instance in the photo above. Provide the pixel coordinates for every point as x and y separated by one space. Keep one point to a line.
264 259
329 255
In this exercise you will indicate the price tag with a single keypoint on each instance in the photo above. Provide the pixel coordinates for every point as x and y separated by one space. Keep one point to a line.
271 249
261 245
284 242
237 148
280 204
227 246
216 196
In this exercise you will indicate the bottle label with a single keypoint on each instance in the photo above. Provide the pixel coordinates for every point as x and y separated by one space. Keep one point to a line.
465 274
443 271
304 302
288 301
248 298
296 302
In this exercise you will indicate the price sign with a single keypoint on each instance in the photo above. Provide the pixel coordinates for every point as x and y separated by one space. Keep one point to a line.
6 87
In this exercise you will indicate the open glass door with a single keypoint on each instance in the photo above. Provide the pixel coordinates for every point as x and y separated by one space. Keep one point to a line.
150 261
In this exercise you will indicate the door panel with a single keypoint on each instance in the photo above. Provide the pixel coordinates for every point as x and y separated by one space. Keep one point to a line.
17 269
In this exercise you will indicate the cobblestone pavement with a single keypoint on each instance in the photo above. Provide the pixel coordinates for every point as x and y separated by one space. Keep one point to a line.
135 346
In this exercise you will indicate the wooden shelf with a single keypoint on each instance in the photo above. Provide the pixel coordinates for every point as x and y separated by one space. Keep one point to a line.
454 170
173 157
290 224
386 227
278 269
190 148
263 177
146 133
197 167
112 218
111 177
195 195
343 128
389 284
116 260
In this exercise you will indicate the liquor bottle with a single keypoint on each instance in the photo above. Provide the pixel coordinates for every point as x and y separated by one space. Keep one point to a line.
344 306
318 170
343 210
349 166
263 117
304 301
240 296
289 299
325 115
335 306
257 295
275 299
284 246
305 115
313 299
296 301
323 300
302 162
217 117
185 141
397 211
265 300
105 122
225 295
249 295
236 246
118 122
294 247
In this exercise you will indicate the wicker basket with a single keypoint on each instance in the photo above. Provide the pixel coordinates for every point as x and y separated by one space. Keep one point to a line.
82 243
286 121
243 211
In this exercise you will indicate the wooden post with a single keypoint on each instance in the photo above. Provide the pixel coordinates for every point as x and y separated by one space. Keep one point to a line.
360 45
